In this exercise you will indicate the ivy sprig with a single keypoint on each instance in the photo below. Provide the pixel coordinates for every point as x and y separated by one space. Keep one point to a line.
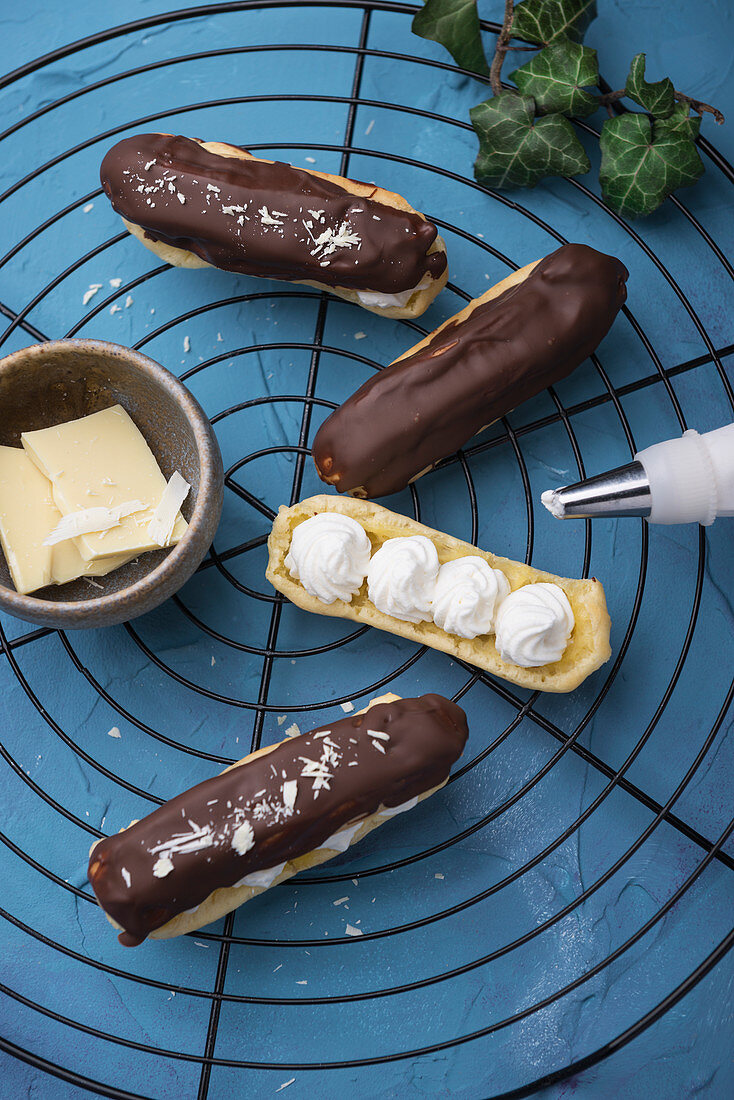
525 134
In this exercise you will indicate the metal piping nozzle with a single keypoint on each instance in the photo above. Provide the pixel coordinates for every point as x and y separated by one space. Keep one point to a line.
621 492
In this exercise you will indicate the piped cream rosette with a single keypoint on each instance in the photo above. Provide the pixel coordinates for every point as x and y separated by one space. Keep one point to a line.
530 627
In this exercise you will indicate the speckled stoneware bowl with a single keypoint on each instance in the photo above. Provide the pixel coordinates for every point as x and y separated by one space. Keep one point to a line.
62 380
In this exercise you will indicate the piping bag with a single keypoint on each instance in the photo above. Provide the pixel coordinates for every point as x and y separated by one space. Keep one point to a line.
685 480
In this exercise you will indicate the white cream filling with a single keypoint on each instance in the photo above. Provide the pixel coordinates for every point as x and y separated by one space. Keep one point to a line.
381 300
337 842
264 877
391 811
341 840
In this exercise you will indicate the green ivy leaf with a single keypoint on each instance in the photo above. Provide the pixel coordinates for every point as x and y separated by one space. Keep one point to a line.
680 122
656 98
557 77
641 166
547 21
454 24
517 150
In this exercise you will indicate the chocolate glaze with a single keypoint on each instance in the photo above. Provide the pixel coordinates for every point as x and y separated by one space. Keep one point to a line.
424 738
425 406
212 205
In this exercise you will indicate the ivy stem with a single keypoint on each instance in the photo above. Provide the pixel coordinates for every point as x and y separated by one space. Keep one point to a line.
699 107
696 105
608 98
501 48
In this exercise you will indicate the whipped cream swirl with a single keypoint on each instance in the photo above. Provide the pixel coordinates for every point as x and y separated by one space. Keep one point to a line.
329 554
402 576
533 625
467 594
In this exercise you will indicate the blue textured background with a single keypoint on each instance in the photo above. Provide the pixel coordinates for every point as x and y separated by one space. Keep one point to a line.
60 695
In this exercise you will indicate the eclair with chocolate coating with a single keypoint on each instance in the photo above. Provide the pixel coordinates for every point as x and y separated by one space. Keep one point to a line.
281 810
587 647
521 336
209 204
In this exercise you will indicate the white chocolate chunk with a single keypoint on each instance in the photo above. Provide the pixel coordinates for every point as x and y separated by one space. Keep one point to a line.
27 514
67 564
106 454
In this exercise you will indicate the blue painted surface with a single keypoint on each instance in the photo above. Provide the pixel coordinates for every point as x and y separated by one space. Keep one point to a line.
63 778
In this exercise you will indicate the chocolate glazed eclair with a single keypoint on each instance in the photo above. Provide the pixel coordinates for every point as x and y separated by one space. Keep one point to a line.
277 812
522 336
199 204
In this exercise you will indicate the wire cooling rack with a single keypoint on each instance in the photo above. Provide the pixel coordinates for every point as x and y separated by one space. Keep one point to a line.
573 882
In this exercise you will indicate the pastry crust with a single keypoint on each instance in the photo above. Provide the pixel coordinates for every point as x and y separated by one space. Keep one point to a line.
416 305
223 901
588 647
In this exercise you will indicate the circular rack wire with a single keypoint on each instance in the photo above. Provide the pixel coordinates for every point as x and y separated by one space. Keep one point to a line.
226 942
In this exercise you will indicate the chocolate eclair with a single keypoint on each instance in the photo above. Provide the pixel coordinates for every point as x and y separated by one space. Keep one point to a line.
280 810
200 204
521 336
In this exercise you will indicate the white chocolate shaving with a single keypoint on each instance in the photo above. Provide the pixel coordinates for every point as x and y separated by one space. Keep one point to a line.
89 294
161 525
290 793
266 218
243 838
328 241
91 521
162 867
183 843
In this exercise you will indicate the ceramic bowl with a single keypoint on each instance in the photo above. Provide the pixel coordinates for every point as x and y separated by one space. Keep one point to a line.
63 380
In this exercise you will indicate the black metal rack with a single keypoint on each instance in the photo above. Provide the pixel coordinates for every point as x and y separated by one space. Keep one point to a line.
568 742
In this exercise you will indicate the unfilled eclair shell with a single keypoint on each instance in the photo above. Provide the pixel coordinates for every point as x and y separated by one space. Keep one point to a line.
588 647
182 257
225 899
521 336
